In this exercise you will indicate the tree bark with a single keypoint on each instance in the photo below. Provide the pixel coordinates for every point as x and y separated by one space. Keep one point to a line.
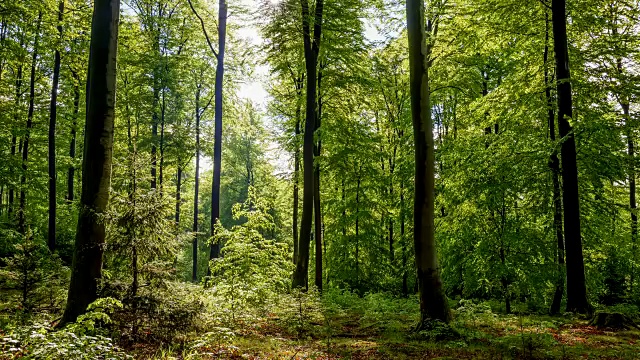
554 165
154 127
632 189
433 303
16 116
27 135
357 238
299 83
405 286
162 120
51 235
296 182
214 250
178 192
96 164
72 144
576 283
317 209
311 51
194 270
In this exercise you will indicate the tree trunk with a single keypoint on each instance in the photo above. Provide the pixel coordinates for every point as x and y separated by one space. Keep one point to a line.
154 126
25 146
96 164
359 182
162 119
51 235
72 145
317 209
214 250
405 286
296 181
178 192
16 116
554 165
576 284
311 51
194 270
433 303
299 83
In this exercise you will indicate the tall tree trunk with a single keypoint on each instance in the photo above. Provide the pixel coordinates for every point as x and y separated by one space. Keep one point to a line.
162 120
311 51
214 250
632 192
194 270
51 235
405 286
554 165
72 144
576 284
27 135
433 303
178 192
317 209
96 163
358 183
154 126
296 182
14 138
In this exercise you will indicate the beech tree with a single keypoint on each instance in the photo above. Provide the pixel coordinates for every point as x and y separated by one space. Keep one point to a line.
311 51
86 269
433 302
576 283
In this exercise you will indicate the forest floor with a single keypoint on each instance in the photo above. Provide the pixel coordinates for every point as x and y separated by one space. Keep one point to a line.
336 325
476 333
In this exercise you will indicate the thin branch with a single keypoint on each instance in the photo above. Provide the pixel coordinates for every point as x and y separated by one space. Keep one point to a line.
204 30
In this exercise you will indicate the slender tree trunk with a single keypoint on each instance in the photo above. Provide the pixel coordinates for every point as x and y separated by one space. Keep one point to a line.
178 192
554 165
162 119
317 209
576 283
433 303
358 183
391 249
194 271
311 51
51 235
86 268
299 84
214 250
154 127
27 136
296 182
405 286
632 192
16 116
72 145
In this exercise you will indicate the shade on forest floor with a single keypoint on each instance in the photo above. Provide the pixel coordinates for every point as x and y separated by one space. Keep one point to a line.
481 337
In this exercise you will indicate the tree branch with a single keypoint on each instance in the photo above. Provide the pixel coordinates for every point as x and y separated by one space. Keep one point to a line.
204 30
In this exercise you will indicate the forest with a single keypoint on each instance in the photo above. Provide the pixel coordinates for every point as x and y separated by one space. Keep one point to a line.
319 179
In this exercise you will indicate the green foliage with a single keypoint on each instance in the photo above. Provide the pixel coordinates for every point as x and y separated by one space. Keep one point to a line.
39 341
32 277
253 269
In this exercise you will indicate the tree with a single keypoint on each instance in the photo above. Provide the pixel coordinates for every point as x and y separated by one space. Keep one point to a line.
25 143
433 303
576 283
86 268
51 235
311 51
214 251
